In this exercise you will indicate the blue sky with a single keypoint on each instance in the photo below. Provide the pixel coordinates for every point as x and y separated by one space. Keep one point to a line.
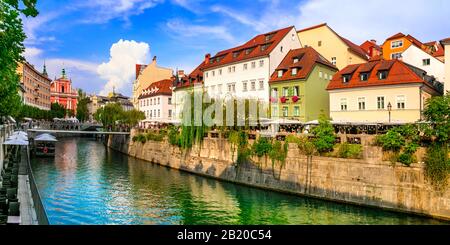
98 42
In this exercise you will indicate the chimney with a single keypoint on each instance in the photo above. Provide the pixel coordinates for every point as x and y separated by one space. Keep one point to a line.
207 56
154 60
181 73
374 41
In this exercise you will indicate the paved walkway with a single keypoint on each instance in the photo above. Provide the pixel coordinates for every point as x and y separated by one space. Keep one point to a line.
27 211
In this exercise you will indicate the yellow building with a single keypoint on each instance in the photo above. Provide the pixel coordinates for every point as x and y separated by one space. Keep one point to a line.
340 51
381 91
150 74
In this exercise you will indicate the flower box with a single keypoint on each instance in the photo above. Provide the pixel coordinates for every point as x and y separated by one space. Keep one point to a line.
295 98
283 99
273 99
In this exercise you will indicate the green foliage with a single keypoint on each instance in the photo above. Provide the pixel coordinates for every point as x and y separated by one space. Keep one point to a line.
239 141
173 136
154 136
190 132
403 141
82 106
347 150
278 153
58 110
437 111
262 147
140 138
109 115
132 117
324 134
437 165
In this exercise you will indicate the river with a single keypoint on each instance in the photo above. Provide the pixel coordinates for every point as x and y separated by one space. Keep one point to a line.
86 183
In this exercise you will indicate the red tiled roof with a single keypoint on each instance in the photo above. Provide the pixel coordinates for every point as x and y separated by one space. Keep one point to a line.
398 73
254 46
396 36
445 40
352 47
195 77
307 59
157 88
367 45
438 52
409 37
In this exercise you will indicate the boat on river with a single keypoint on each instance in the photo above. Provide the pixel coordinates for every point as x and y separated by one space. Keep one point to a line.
44 145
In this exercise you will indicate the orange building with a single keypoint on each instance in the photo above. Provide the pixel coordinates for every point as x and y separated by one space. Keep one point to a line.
36 86
395 45
63 93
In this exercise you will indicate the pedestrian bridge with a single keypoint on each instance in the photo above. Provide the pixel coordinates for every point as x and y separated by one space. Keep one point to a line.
76 132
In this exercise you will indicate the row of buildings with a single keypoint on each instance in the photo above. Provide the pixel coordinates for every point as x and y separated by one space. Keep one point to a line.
38 90
303 73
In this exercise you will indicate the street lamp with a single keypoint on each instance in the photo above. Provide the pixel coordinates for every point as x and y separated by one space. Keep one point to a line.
389 107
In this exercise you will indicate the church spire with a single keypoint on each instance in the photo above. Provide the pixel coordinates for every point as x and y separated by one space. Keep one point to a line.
44 72
63 73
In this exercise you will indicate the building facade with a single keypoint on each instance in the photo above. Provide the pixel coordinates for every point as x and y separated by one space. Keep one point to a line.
63 93
424 60
395 45
156 101
146 75
244 71
446 45
298 86
124 101
338 50
96 102
371 48
36 86
381 91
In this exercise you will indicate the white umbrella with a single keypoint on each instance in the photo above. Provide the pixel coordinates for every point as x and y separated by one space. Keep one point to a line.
45 137
20 133
15 141
18 136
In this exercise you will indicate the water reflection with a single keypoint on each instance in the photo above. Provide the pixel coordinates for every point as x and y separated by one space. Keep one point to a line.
89 184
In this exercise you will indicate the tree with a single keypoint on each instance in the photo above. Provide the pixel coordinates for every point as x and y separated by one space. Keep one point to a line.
109 115
132 117
437 112
82 106
11 49
324 135
58 110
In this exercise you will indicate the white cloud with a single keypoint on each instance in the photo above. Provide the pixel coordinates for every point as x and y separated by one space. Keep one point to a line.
32 26
120 69
359 21
102 11
31 53
183 29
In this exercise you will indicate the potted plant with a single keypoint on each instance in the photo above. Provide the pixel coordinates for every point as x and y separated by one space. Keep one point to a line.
294 98
273 99
283 99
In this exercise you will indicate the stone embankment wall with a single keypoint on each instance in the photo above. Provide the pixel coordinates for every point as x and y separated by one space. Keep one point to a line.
369 181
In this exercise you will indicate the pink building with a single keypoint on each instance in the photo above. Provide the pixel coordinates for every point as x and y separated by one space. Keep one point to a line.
63 93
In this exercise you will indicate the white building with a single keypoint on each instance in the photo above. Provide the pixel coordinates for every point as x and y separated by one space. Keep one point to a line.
446 44
156 101
244 71
420 58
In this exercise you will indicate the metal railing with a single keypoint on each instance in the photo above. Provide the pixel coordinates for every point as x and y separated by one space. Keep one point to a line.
39 208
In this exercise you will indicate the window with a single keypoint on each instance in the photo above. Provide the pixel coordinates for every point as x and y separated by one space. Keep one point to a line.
233 68
364 76
245 67
285 91
274 111
280 73
325 76
397 44
285 111
150 113
159 115
261 84
395 56
159 101
346 78
343 104
62 89
229 70
169 101
401 102
361 103
274 93
233 87
253 85
296 111
206 74
261 63
220 71
295 60
281 49
170 113
382 75
294 71
319 43
150 101
426 62
219 88
244 86
296 91
253 64
380 102
235 54
213 73
333 60
229 87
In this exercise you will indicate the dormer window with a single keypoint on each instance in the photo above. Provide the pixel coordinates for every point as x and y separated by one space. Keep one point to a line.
382 75
268 37
295 60
346 78
364 76
294 71
280 73
235 54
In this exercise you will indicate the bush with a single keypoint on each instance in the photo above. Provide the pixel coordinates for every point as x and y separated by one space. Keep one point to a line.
437 165
173 136
278 153
391 141
406 158
347 150
139 138
154 136
402 141
262 147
